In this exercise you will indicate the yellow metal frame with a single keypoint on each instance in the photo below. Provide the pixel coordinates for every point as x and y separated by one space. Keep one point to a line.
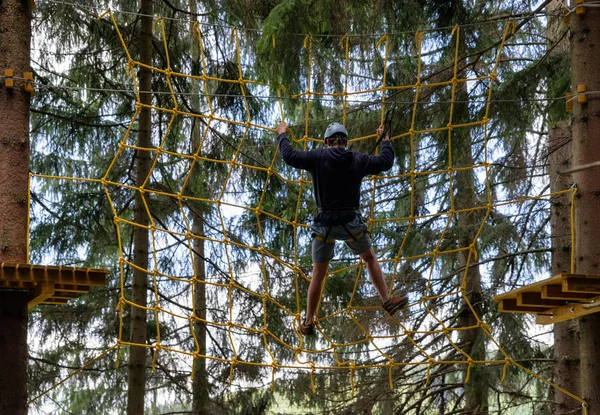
8 78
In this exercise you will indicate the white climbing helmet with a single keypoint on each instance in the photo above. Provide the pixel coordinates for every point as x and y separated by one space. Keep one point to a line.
335 128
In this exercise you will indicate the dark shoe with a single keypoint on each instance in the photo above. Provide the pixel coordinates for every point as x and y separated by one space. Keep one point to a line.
307 329
394 304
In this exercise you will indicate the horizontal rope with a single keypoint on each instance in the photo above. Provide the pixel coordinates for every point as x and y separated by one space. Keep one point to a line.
40 86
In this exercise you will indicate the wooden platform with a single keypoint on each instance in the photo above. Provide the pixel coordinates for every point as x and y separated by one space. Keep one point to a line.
562 297
50 284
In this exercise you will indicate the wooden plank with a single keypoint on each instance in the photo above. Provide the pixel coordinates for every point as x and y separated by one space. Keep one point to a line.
555 292
55 301
24 285
535 299
50 284
569 311
73 288
41 293
509 305
39 273
581 285
592 279
586 276
535 287
65 295
560 298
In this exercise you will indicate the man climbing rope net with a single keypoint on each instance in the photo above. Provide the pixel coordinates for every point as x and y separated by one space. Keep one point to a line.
337 175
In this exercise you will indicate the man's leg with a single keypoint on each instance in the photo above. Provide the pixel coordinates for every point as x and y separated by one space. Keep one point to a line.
375 273
314 290
390 304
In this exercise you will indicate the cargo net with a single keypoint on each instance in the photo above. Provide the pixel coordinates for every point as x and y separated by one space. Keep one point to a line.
229 222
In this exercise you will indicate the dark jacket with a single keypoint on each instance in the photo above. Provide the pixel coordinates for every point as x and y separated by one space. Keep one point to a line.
337 174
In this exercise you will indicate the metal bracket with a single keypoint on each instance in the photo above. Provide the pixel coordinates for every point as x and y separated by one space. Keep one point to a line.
9 82
28 86
581 96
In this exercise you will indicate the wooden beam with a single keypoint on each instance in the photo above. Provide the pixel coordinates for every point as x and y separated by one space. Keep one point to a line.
580 284
73 288
536 300
569 311
509 305
65 295
555 292
50 284
39 273
56 301
41 292
24 285
535 287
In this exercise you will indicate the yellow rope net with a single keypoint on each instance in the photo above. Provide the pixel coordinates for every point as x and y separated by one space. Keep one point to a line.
327 355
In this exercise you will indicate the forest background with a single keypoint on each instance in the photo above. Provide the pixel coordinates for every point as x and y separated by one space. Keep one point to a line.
83 107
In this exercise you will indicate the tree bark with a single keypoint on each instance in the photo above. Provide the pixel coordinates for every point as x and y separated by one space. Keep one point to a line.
13 349
585 70
566 334
471 341
200 385
139 355
15 45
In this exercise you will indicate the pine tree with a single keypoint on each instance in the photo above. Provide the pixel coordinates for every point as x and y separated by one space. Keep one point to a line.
138 357
585 32
15 22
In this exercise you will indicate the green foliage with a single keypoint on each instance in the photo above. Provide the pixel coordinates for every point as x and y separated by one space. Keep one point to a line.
558 77
76 133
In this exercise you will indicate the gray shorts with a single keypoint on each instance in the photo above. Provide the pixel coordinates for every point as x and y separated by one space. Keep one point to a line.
322 251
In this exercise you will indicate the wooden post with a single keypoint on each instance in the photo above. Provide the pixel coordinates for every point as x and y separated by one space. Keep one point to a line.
585 74
15 38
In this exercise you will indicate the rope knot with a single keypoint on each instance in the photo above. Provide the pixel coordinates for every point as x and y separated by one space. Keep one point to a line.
485 327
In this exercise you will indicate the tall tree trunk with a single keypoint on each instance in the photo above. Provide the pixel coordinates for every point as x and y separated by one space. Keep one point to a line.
15 41
139 355
566 334
200 384
471 341
585 70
